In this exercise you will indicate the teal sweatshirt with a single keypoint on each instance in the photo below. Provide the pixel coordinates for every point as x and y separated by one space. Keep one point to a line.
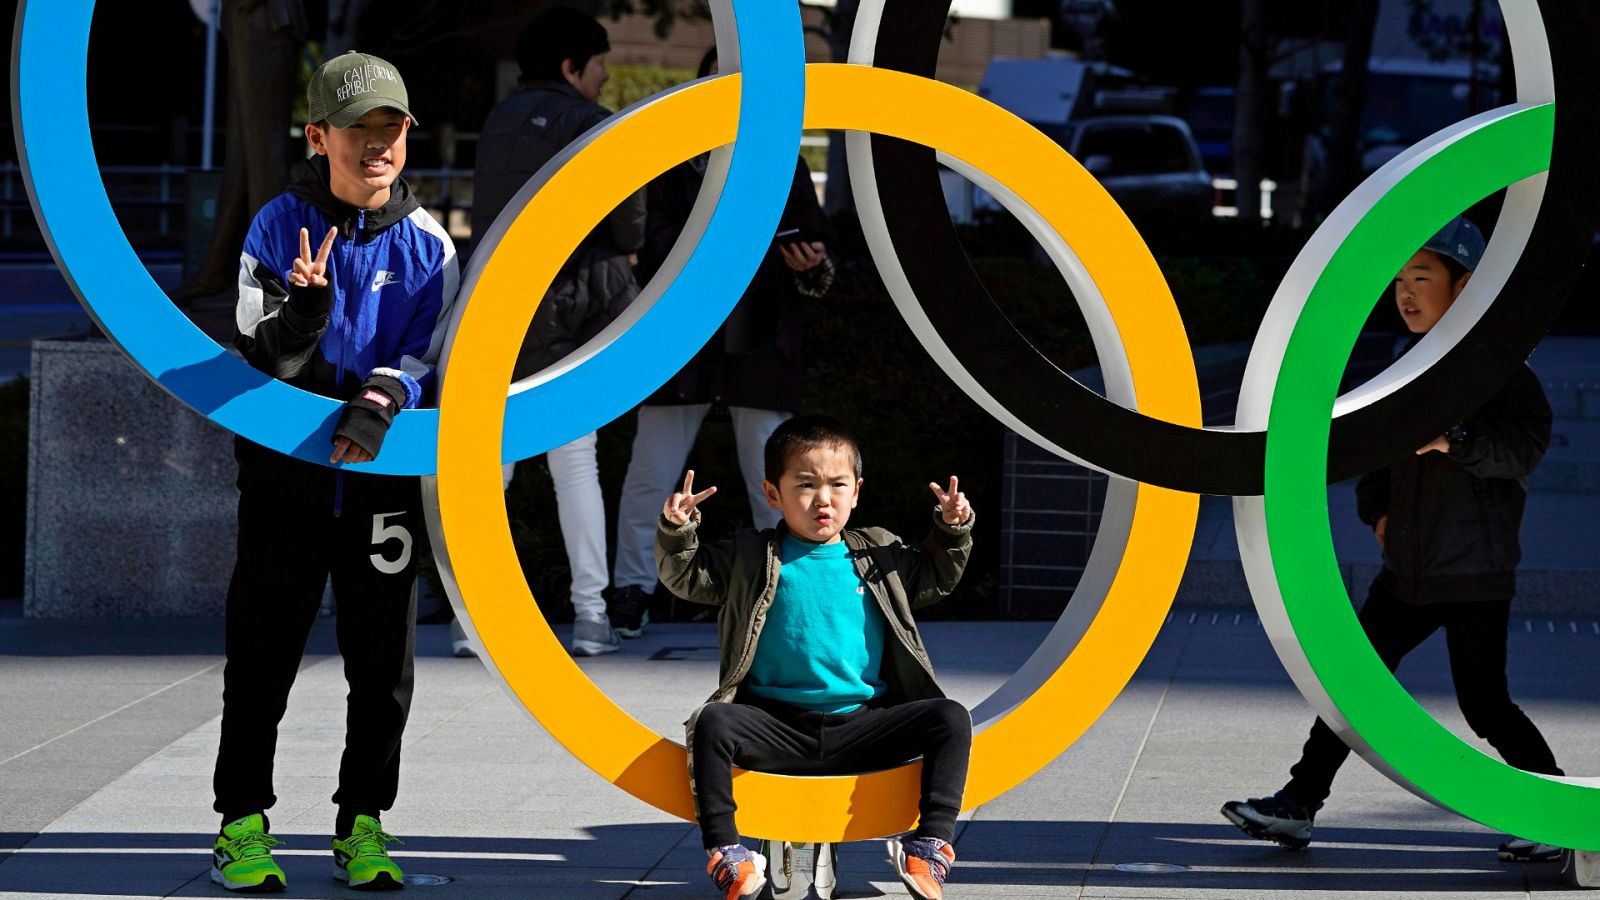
822 645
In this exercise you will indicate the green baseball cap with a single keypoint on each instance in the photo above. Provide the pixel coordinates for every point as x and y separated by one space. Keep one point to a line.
347 87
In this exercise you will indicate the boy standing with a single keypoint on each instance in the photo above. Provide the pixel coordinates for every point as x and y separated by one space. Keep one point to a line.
359 320
1448 519
823 670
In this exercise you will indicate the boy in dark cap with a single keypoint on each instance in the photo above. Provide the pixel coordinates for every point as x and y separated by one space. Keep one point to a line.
360 319
1448 518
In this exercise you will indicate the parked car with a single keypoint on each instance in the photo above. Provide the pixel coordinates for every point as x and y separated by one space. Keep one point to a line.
1115 126
1149 164
1405 102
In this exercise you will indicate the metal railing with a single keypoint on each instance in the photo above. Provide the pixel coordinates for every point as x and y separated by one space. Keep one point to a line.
1227 207
158 188
447 195
163 191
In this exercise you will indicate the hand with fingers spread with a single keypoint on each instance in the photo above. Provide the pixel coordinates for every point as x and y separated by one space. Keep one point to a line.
312 271
953 506
680 506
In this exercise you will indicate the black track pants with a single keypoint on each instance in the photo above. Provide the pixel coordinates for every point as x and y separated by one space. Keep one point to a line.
290 542
775 737
1476 637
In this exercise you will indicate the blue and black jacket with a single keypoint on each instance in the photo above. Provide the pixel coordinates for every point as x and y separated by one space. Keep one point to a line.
373 335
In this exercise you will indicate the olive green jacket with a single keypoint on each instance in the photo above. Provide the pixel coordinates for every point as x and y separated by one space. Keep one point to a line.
741 576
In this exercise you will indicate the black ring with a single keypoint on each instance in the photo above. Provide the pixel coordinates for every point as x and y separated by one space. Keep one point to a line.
1217 461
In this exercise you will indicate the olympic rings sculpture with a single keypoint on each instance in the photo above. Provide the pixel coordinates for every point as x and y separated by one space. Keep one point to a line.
1292 435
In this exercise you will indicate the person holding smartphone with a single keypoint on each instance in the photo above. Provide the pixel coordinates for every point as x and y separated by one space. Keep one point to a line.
751 366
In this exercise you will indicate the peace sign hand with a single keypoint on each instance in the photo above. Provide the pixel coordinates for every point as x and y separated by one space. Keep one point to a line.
679 508
309 272
953 506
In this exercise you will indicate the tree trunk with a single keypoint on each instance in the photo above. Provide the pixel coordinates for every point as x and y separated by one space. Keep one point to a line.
1249 109
1344 155
264 40
343 34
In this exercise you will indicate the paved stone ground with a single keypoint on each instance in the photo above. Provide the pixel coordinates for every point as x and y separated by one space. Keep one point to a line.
110 729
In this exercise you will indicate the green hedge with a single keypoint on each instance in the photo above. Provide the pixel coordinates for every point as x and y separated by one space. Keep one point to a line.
629 83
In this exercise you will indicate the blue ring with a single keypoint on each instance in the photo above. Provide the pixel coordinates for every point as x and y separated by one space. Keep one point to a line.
50 114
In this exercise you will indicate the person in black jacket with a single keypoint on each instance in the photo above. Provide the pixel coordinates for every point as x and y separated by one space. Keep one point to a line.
751 366
1448 518
562 57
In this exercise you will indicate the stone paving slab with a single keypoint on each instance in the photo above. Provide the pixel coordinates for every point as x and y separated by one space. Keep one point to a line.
112 799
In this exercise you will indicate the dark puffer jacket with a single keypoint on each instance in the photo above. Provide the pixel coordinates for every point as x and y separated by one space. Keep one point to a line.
522 133
754 358
1455 518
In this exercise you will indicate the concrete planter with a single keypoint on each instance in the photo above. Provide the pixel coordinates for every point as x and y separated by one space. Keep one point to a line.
131 498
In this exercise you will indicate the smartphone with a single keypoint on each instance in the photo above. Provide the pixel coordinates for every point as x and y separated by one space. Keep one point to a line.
794 236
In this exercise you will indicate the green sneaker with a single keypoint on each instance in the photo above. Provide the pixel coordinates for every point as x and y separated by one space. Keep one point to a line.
361 860
241 860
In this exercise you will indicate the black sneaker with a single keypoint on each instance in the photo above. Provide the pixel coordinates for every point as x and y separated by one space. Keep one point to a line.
630 611
1522 851
1276 818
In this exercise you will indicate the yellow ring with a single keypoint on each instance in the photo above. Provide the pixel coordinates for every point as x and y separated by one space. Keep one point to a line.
520 643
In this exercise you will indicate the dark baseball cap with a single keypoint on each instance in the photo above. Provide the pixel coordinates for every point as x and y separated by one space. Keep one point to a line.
1461 241
347 87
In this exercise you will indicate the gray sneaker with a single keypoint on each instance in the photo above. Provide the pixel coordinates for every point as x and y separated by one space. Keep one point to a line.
459 645
594 637
1276 818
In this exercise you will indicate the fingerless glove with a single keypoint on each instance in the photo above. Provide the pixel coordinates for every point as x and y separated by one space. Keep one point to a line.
368 415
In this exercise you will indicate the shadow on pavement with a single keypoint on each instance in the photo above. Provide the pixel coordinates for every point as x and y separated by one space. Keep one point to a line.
660 860
1174 858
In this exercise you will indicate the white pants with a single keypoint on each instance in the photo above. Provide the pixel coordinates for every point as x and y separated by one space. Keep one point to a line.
666 434
581 509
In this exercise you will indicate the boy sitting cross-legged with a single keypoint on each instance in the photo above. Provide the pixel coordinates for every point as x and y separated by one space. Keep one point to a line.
823 671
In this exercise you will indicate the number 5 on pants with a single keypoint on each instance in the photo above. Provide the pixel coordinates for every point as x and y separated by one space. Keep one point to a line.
382 534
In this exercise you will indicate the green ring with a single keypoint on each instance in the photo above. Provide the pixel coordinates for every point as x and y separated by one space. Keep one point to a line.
1436 762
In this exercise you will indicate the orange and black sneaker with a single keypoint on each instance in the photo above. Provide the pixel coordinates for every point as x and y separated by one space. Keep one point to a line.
737 871
922 864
